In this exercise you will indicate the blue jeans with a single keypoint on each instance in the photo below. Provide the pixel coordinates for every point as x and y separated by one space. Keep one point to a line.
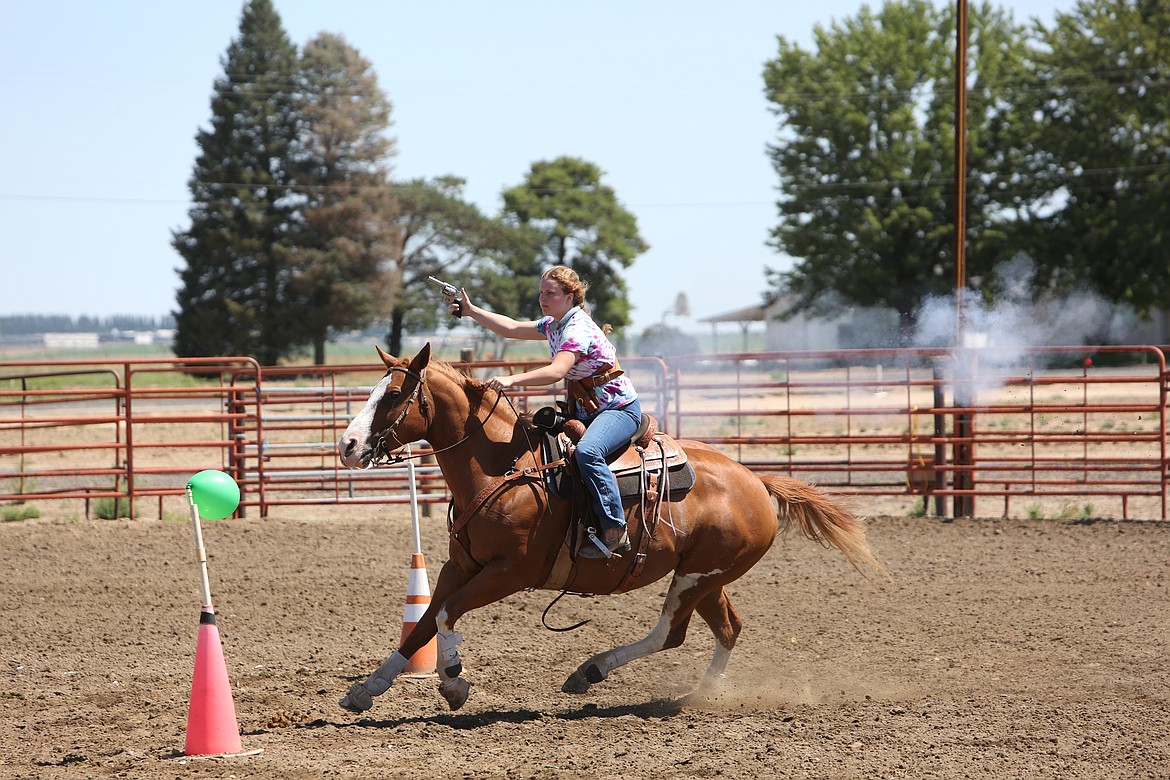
608 432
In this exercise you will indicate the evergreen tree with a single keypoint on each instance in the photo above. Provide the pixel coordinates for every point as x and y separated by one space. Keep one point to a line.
583 226
235 283
342 263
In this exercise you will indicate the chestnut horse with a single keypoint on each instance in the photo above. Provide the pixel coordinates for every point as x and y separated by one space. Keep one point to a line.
510 528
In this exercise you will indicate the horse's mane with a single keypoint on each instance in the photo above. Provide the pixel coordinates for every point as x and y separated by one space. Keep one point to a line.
478 388
455 375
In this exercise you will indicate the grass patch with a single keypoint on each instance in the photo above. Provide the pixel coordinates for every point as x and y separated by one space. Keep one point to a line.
111 508
11 514
1074 512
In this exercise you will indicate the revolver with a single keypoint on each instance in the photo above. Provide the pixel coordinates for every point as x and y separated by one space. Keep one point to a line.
450 292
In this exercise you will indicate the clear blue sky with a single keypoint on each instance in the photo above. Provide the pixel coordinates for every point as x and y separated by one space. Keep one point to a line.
103 100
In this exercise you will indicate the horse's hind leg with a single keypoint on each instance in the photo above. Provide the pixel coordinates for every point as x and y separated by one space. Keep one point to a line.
685 593
716 609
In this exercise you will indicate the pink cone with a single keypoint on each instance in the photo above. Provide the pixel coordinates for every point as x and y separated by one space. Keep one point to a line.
211 720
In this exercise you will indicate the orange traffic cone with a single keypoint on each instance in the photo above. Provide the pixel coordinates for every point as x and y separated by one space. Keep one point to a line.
418 598
211 720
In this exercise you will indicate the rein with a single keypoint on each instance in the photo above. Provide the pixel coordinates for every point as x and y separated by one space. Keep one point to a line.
381 455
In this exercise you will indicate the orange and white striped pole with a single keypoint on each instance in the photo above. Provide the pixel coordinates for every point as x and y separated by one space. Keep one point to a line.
418 590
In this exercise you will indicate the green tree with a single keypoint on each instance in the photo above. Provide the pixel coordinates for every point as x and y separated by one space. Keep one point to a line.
342 259
234 285
443 235
582 225
865 155
1105 72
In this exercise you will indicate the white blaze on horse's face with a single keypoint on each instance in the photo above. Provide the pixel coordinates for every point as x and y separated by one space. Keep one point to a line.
355 444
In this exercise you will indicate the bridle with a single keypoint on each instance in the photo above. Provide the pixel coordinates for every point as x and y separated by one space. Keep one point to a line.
382 454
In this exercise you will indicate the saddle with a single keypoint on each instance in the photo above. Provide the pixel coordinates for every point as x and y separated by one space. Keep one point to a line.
651 460
651 469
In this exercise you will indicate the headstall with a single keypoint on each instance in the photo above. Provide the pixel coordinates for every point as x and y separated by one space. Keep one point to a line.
381 452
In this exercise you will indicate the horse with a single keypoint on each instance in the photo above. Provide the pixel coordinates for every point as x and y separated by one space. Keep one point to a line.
510 527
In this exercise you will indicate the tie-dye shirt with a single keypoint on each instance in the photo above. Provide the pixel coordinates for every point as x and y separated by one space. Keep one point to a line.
580 335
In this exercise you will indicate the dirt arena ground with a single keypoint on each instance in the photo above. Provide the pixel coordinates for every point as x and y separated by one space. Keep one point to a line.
997 649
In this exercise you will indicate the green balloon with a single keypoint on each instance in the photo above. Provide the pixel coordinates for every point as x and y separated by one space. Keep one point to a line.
215 493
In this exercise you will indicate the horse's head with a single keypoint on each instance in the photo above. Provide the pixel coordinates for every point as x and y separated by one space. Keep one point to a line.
396 413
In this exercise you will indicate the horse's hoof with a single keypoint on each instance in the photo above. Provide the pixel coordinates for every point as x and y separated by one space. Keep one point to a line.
710 690
577 683
357 699
455 691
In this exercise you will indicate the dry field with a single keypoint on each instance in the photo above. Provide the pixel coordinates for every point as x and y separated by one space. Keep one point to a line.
997 648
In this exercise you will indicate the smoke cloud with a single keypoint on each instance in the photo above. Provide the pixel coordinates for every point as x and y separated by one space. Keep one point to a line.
1013 324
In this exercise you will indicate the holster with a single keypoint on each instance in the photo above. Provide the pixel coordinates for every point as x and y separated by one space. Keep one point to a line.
581 390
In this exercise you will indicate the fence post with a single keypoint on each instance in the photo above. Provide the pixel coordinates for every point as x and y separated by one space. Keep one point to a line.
129 460
964 479
940 433
235 407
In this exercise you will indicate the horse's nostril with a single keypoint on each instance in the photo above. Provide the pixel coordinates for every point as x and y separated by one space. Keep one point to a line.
349 445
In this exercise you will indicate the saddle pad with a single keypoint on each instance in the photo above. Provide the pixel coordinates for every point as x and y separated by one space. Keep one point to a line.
681 478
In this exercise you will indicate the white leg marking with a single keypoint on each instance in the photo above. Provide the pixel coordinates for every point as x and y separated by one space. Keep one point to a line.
654 641
717 667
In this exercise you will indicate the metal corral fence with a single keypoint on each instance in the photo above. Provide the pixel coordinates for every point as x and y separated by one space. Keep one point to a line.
1041 431
1044 430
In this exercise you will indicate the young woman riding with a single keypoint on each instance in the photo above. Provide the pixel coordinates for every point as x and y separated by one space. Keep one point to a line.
602 396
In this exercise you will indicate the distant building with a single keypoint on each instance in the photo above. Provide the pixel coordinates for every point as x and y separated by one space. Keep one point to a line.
71 340
854 328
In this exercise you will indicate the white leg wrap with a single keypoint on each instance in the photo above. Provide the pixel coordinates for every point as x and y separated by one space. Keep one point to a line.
383 677
360 696
447 650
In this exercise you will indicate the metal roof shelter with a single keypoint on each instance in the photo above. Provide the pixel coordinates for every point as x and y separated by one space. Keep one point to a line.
745 317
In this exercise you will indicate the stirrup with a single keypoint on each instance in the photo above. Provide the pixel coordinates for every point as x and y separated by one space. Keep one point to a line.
603 551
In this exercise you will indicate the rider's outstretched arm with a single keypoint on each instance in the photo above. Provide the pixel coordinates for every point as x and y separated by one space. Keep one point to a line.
545 375
500 324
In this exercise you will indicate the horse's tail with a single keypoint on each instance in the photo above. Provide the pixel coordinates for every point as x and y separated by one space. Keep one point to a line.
822 521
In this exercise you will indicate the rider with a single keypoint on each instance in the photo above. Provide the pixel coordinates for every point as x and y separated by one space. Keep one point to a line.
603 397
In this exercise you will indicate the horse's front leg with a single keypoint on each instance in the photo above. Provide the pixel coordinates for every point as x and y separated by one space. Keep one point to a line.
494 582
360 696
455 595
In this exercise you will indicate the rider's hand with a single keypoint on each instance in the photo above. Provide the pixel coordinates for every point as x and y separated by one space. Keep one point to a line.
460 306
500 383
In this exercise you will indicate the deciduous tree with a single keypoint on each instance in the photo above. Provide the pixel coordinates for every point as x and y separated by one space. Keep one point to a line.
865 155
443 235
1104 68
582 225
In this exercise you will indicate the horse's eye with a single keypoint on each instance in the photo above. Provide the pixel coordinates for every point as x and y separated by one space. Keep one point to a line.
393 393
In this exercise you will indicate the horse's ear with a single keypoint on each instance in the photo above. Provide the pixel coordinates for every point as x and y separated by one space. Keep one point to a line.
386 358
422 359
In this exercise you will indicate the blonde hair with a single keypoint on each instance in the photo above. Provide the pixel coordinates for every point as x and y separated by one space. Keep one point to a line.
569 281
